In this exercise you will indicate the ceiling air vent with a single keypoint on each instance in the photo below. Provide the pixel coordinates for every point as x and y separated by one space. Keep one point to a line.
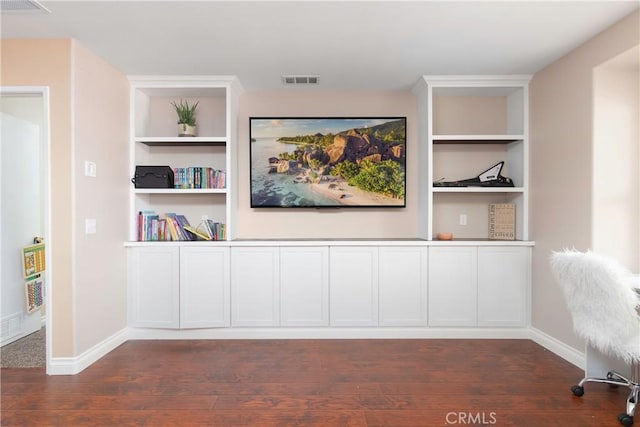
19 6
300 80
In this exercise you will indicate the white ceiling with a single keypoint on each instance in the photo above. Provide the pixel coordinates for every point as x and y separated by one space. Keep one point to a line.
350 45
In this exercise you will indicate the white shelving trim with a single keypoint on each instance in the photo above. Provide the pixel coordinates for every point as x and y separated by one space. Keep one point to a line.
471 139
181 140
180 190
478 190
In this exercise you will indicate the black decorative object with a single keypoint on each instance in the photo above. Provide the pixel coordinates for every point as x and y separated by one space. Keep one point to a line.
153 177
489 178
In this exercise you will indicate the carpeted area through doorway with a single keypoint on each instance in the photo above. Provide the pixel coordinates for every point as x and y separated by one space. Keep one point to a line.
27 352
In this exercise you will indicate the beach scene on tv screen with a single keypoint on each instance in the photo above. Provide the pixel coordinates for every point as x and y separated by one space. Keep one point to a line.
307 162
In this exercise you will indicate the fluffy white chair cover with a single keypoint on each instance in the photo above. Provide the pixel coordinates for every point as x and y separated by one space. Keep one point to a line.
600 296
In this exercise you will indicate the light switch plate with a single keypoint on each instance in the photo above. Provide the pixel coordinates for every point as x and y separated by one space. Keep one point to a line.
90 226
89 168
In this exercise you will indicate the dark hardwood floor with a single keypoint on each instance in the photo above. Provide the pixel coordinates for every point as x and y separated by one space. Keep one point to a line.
313 383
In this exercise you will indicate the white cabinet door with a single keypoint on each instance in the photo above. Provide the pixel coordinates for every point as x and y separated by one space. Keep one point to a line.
204 287
255 299
453 290
153 283
503 286
403 286
304 286
353 278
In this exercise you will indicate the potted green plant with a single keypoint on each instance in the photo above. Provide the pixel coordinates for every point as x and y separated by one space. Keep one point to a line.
186 117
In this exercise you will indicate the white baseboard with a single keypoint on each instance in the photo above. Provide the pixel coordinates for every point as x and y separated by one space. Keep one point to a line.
74 365
328 333
559 348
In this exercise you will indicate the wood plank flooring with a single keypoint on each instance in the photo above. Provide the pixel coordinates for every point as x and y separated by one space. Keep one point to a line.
313 383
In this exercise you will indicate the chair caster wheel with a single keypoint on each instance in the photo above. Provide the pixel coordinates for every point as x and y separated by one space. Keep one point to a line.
578 390
625 420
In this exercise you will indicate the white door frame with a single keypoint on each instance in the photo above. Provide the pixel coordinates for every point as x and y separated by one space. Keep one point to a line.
43 91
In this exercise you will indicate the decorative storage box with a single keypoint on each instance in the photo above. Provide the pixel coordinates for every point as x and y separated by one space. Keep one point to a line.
502 221
153 177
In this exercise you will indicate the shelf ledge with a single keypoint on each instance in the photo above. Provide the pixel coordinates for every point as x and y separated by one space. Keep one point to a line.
182 140
476 139
180 191
332 242
478 189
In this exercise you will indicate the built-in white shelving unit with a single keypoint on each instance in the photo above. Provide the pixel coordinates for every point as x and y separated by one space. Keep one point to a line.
305 288
154 142
466 125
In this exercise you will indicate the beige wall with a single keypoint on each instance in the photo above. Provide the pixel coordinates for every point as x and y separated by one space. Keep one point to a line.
88 120
327 223
48 63
561 130
101 125
616 165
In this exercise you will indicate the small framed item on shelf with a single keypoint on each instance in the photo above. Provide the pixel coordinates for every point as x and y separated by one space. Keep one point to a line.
502 221
153 177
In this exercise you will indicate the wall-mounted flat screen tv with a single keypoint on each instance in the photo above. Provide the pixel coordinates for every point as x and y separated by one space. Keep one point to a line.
305 162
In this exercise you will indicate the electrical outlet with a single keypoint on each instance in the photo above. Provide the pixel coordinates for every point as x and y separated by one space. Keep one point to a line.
90 226
463 219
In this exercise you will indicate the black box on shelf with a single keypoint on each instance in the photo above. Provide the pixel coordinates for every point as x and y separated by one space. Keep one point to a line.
153 177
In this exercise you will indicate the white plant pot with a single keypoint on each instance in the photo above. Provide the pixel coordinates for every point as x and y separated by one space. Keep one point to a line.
186 130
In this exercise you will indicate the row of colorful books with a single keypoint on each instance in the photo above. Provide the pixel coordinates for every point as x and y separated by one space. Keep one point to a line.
199 177
171 226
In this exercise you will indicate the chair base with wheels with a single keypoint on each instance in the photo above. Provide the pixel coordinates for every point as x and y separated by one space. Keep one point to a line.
615 379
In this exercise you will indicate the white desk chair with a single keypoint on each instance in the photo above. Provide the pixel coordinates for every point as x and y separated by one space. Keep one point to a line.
604 300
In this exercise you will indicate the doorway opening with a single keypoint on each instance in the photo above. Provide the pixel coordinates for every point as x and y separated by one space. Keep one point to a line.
24 217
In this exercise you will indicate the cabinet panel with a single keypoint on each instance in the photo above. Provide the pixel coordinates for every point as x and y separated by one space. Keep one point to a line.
204 287
255 286
403 286
153 283
354 286
452 286
304 286
503 279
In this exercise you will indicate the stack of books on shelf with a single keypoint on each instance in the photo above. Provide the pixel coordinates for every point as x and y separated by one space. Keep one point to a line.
215 230
152 227
199 177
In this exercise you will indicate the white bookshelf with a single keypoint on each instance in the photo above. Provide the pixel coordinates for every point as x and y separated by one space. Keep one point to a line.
154 142
466 125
